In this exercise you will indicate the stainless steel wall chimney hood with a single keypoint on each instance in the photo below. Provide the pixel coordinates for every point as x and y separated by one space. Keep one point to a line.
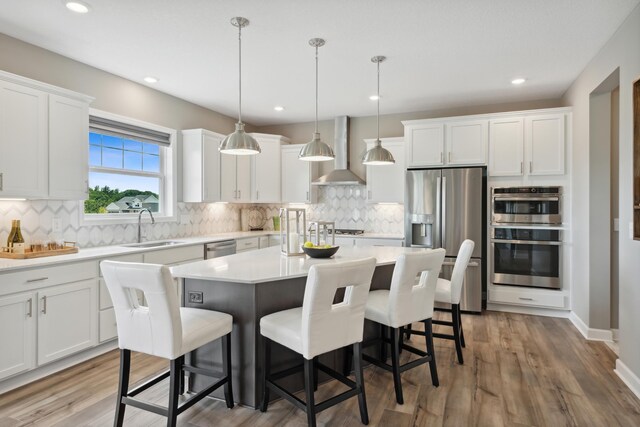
341 175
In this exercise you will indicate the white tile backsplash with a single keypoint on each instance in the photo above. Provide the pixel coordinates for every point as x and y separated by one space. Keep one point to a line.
346 205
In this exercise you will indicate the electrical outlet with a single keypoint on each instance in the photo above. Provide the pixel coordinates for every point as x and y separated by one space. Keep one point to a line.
56 225
195 297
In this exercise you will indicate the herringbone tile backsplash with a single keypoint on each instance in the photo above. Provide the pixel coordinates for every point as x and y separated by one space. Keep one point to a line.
346 205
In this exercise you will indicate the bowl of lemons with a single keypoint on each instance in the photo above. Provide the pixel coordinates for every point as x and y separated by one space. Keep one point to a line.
319 251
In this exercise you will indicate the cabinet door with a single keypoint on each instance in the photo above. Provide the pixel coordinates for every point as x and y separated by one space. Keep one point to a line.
23 142
228 191
385 183
67 320
210 168
467 142
68 148
17 334
544 139
243 178
506 142
266 173
296 177
425 145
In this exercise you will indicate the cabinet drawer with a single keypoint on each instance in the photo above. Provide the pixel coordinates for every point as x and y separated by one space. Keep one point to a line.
175 255
47 276
378 242
108 328
264 242
123 258
247 244
551 299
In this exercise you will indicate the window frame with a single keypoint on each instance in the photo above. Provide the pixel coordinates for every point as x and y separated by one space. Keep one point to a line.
168 177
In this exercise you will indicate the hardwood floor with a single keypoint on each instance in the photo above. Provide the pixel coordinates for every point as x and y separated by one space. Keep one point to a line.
519 371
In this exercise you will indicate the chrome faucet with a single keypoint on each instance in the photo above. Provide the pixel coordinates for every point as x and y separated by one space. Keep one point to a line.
153 221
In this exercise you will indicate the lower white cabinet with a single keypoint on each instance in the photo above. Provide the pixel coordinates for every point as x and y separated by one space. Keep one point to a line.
378 242
248 244
532 297
108 326
67 320
17 333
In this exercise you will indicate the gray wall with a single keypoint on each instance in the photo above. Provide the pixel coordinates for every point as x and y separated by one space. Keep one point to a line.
390 126
623 51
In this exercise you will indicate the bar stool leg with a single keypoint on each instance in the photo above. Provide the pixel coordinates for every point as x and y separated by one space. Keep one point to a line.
266 372
455 315
315 373
174 390
123 386
362 400
226 369
461 330
383 344
308 388
428 336
347 361
395 363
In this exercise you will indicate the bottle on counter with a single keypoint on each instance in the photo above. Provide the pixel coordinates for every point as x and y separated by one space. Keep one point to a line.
12 233
15 241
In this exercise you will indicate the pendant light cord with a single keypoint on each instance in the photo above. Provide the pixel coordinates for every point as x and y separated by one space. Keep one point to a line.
316 89
239 73
378 102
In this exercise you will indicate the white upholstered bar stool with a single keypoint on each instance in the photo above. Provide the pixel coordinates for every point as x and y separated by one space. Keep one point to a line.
318 327
404 303
449 292
162 329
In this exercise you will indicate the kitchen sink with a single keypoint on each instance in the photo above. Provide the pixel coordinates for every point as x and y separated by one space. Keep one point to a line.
153 244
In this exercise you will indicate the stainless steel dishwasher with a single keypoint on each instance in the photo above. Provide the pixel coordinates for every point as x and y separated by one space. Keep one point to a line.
218 249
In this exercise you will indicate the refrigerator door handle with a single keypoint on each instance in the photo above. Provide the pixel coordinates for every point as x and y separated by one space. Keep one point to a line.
443 219
437 238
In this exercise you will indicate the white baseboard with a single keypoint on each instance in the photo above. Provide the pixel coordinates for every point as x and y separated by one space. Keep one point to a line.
520 309
590 333
615 333
628 377
53 367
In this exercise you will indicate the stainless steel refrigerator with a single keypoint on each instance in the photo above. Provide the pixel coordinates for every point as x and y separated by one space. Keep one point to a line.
443 207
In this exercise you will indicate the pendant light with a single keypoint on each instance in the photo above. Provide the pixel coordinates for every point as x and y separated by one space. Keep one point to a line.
316 150
239 142
378 155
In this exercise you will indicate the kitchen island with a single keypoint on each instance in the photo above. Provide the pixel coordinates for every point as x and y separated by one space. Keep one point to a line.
251 285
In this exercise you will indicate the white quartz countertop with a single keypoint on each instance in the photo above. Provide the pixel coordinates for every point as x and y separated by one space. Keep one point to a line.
267 265
115 250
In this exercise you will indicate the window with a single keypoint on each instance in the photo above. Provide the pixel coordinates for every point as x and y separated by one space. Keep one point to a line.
131 167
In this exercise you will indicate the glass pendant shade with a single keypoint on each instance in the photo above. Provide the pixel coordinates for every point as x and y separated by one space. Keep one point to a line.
239 143
378 155
316 150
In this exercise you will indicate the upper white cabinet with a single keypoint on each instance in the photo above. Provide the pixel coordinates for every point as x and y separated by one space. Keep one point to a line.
425 144
297 176
68 148
385 184
527 145
235 178
466 142
446 142
44 133
265 168
23 141
201 165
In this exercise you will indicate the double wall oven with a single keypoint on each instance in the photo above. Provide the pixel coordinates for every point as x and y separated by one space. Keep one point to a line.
526 248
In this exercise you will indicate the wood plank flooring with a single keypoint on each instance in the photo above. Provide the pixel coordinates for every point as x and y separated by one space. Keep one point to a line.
519 370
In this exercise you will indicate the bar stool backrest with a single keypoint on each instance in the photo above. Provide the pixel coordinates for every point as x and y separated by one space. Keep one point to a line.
460 267
155 329
410 302
327 326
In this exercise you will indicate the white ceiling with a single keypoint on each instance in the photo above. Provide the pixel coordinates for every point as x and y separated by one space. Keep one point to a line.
441 53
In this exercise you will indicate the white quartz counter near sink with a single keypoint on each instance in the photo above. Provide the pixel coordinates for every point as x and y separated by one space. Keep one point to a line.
107 251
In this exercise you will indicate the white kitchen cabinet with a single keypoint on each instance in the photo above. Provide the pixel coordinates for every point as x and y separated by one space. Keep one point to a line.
247 244
67 320
385 183
506 146
68 148
265 169
274 240
466 142
263 242
544 142
23 142
235 178
425 144
17 333
297 176
364 242
345 241
201 166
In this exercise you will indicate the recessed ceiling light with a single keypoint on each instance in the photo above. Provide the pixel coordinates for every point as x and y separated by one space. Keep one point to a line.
518 81
374 97
278 108
150 79
77 6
